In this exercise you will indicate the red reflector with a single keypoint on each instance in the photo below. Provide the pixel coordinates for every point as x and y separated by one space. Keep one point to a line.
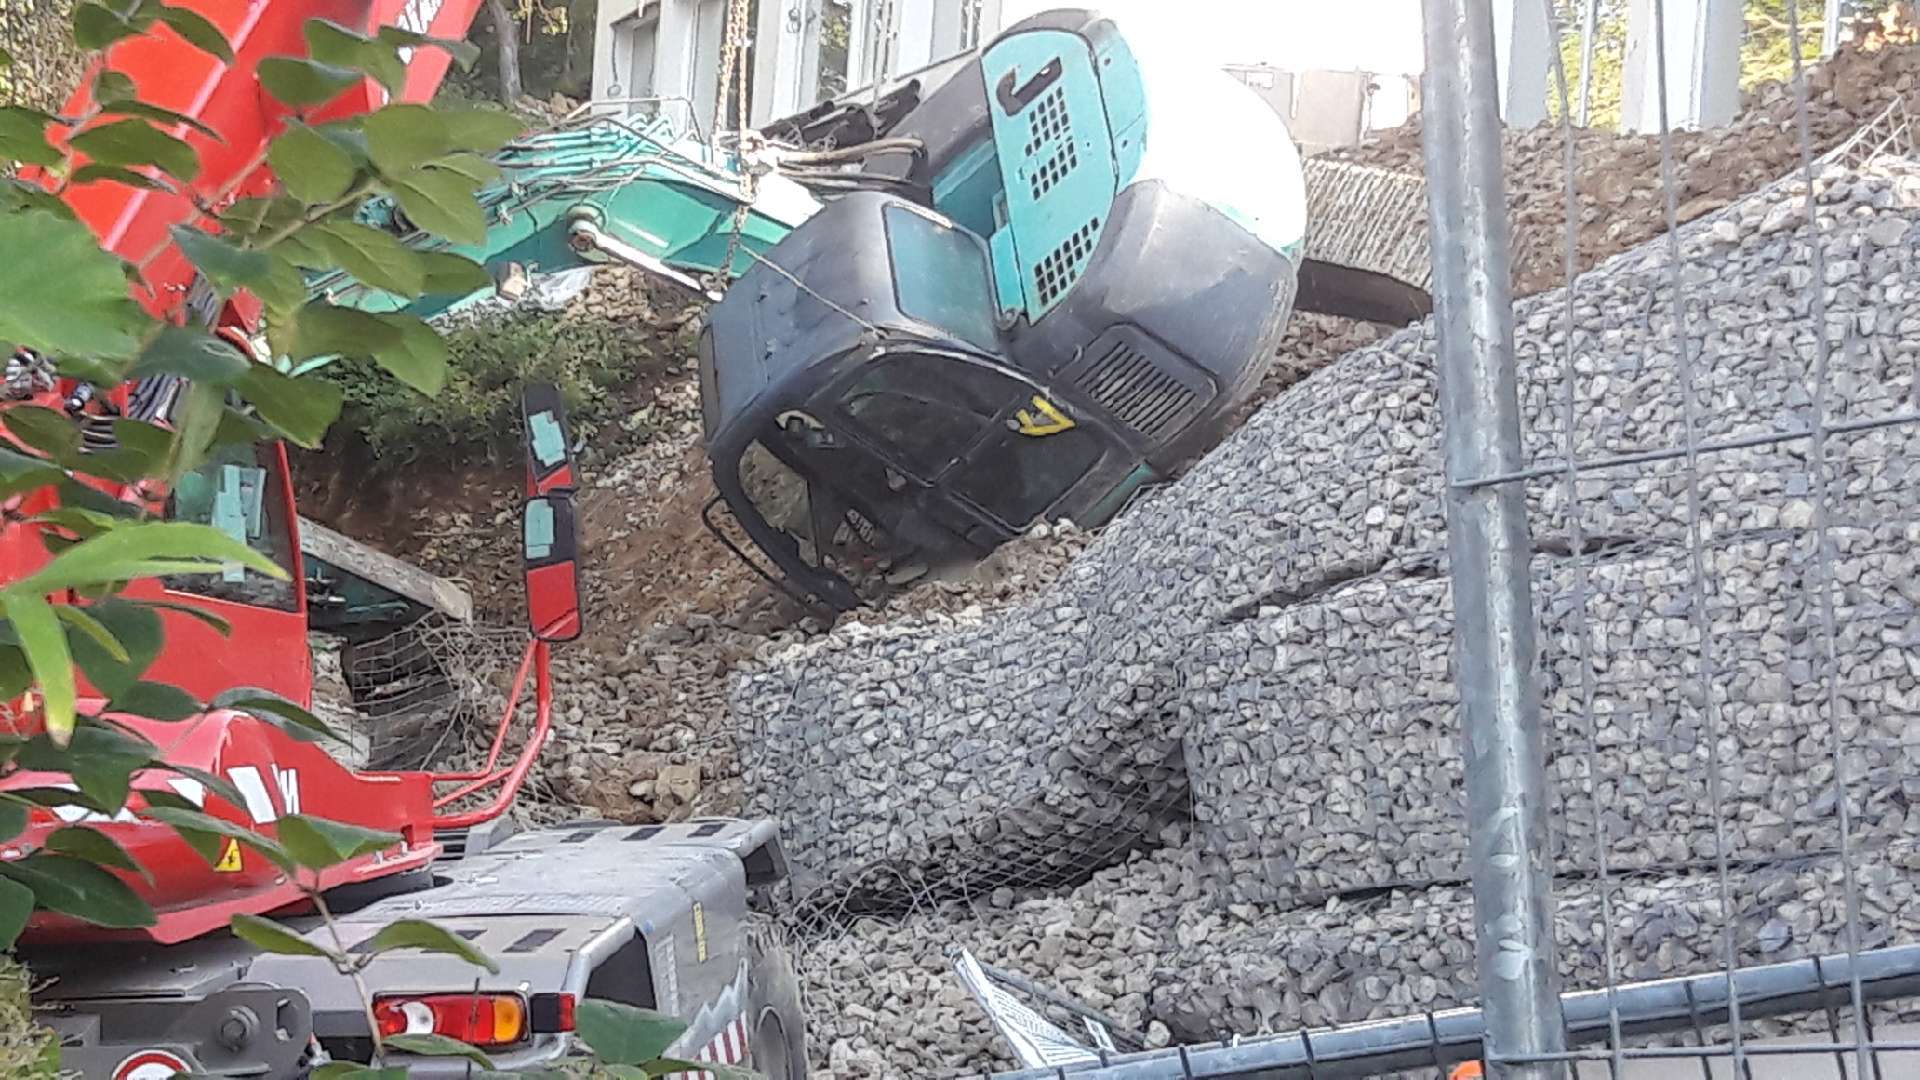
478 1019
564 1022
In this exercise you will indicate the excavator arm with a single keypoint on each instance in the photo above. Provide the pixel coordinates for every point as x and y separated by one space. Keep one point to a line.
600 190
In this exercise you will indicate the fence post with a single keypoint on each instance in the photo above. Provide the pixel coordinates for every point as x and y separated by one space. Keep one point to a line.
1494 638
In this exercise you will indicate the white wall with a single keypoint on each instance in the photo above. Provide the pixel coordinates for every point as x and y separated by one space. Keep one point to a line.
1703 65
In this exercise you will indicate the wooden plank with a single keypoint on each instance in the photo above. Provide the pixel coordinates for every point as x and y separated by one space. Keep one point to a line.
384 570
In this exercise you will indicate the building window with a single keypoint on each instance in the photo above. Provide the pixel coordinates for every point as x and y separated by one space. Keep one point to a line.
970 23
836 37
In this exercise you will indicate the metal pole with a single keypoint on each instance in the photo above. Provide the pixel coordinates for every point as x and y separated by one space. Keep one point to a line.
1830 29
1589 26
1494 651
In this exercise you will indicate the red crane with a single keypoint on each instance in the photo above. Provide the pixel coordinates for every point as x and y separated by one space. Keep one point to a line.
274 773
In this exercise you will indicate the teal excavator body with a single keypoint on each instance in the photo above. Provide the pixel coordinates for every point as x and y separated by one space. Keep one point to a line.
945 314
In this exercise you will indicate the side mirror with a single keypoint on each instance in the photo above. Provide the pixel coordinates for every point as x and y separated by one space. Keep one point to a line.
549 534
550 550
549 441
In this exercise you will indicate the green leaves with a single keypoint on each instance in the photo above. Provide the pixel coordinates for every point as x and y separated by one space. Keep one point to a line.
95 847
262 273
304 82
18 472
208 834
132 143
123 553
317 843
402 344
78 888
463 53
197 31
82 309
191 354
144 549
312 167
97 173
437 1046
23 136
269 936
403 137
16 907
101 761
302 409
98 24
159 701
452 275
331 43
441 201
45 647
164 117
624 1035
372 256
427 937
275 709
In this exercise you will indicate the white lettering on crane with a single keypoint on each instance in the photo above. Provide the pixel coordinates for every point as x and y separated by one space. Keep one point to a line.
288 781
189 789
72 815
254 791
417 16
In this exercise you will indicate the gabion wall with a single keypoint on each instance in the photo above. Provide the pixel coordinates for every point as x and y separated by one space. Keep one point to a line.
1273 632
46 67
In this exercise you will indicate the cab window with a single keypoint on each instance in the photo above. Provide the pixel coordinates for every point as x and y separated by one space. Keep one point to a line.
926 410
1017 477
941 276
240 491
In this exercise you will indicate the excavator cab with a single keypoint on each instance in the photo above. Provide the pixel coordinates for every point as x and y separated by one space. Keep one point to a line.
1046 299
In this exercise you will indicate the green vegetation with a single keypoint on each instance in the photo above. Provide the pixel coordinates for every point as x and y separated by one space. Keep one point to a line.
476 414
27 1050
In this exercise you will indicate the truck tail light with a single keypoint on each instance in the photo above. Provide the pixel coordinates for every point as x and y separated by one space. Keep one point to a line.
482 1020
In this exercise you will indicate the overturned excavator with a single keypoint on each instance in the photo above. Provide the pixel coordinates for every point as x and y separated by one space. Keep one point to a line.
951 311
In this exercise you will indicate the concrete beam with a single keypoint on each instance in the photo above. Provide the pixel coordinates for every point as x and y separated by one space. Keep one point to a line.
1523 49
1703 65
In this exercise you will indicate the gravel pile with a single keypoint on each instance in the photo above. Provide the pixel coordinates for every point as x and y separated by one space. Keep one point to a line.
1147 944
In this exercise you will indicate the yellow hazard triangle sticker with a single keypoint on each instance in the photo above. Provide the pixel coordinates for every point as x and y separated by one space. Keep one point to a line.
229 858
1049 421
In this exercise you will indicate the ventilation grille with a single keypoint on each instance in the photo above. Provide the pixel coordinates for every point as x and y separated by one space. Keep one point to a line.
1063 161
1058 271
1048 121
1126 383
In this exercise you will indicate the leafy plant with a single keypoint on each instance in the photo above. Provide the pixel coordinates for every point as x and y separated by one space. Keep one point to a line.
477 411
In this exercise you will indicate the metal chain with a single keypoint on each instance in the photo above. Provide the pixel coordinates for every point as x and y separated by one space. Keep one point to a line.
733 75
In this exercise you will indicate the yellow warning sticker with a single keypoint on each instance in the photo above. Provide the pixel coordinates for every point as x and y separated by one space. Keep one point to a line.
1046 419
699 934
229 858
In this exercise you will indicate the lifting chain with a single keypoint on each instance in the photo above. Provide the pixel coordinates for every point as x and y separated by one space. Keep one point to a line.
733 77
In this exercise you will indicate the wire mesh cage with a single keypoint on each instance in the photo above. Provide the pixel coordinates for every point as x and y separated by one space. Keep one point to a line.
425 696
